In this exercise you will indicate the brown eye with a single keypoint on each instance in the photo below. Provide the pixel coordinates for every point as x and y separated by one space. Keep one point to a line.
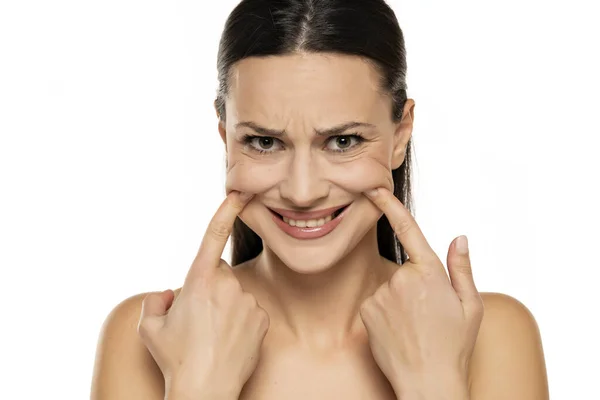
343 142
265 143
261 144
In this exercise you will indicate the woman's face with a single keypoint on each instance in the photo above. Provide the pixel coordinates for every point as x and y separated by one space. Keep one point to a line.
278 113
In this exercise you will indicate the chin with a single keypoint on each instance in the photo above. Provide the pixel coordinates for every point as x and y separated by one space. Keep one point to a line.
315 249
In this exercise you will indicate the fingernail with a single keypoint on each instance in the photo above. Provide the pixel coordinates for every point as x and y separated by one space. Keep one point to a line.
372 192
462 245
245 196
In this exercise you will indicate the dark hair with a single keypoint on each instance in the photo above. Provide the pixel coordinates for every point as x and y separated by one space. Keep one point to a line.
365 28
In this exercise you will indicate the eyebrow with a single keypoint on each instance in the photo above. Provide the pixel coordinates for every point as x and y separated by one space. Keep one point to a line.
336 130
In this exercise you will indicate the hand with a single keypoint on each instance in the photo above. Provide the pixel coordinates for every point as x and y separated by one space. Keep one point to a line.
422 328
207 342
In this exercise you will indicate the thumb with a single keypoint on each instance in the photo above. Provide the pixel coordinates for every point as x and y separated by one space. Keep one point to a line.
459 269
158 303
154 306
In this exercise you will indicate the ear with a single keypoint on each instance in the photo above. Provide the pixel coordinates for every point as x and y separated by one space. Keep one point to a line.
221 126
222 133
403 133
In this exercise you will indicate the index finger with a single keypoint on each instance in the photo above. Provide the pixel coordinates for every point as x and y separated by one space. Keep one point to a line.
404 225
218 231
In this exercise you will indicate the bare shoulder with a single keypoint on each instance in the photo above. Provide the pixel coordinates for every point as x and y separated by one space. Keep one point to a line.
508 358
123 368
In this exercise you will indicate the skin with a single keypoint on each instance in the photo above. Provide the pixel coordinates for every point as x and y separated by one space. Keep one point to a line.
302 175
323 318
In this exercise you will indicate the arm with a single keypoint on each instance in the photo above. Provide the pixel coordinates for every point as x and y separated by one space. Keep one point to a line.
507 361
123 368
508 358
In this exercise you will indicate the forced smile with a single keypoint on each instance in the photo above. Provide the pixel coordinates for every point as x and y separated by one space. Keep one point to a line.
308 225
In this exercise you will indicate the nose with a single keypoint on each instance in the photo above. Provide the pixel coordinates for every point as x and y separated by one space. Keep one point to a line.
304 185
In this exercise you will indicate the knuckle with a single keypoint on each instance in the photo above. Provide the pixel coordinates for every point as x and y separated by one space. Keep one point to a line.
147 303
465 269
202 285
264 322
379 298
402 227
219 229
237 205
430 272
366 308
382 201
433 276
229 284
234 204
249 300
476 315
143 328
397 281
478 306
264 317
475 308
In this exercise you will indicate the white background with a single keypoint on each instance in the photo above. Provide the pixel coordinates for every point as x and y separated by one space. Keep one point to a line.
111 165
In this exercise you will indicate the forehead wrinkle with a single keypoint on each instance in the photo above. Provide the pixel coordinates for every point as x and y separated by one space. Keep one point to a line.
305 74
309 115
300 94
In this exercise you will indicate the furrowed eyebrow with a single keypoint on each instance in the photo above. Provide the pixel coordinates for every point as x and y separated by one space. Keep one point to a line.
261 129
336 130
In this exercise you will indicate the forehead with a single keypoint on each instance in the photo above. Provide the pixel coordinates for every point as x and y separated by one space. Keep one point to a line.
324 88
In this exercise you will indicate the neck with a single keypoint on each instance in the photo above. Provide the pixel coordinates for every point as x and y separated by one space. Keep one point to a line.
322 309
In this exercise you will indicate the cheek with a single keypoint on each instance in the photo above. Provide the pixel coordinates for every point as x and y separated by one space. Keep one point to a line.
355 176
252 177
360 175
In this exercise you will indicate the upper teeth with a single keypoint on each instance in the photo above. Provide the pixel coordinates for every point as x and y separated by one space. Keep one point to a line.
310 223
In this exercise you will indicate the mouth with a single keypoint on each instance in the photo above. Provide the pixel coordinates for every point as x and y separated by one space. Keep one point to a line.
311 220
309 225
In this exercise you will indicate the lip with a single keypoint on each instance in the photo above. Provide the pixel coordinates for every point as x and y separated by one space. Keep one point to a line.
304 216
314 232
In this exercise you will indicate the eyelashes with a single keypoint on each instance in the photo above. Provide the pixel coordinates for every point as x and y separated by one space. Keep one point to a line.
253 143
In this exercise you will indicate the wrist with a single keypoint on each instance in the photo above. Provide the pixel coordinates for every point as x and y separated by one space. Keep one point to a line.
449 386
180 390
208 394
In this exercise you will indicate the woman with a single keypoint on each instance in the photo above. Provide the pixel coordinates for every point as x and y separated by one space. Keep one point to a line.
317 128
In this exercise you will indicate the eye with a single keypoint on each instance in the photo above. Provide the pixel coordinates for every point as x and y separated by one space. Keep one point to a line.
264 143
344 142
268 144
261 144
